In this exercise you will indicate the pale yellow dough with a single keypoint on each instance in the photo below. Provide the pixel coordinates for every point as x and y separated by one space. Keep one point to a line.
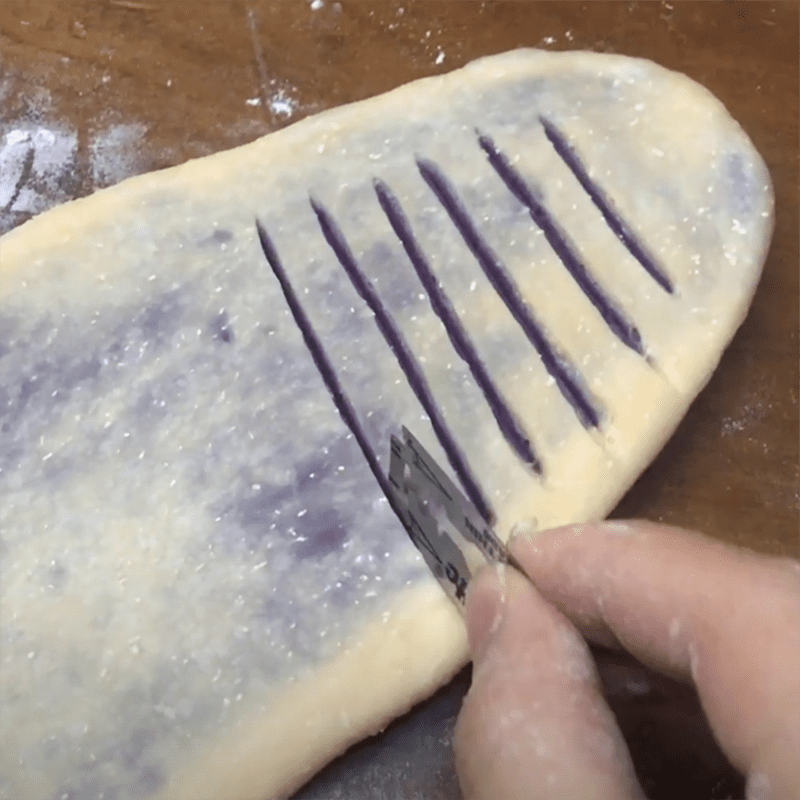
162 637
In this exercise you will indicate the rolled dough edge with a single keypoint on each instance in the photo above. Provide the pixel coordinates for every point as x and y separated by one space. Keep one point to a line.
421 645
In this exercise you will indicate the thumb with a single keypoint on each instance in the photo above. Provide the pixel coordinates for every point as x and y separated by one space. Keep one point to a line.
534 723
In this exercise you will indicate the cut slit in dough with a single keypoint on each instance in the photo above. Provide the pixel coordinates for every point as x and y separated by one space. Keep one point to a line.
204 592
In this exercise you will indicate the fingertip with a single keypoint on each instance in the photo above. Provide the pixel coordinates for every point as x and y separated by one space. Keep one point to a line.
495 593
525 541
534 708
691 607
484 606
567 564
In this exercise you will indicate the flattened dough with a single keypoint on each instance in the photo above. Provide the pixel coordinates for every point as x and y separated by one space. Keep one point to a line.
204 592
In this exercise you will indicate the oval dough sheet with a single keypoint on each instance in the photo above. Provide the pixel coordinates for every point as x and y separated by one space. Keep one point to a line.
204 592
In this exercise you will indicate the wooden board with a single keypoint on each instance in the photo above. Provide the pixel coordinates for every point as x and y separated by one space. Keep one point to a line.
110 88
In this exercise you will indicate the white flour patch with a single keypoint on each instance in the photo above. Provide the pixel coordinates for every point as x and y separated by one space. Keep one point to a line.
279 101
15 150
33 163
281 104
39 165
752 412
114 153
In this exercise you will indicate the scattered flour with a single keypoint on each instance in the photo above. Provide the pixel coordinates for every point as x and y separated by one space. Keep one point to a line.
38 169
32 160
114 153
282 104
753 410
12 164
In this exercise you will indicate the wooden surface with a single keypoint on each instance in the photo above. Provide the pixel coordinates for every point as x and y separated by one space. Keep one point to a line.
110 88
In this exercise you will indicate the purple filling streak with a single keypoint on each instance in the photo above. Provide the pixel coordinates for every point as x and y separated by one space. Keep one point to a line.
557 366
160 320
509 426
394 338
319 531
622 328
220 328
614 221
321 360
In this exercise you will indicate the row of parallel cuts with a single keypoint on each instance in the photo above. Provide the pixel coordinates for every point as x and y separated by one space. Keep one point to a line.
566 376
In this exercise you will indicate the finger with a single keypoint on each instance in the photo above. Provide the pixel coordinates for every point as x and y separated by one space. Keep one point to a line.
727 619
534 723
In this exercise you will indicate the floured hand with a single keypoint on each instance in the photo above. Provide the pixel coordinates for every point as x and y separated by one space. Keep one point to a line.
535 723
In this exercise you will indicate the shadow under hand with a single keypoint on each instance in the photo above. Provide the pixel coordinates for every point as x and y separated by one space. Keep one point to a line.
673 749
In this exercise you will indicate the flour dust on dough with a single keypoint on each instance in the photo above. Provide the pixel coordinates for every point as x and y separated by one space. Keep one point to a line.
204 591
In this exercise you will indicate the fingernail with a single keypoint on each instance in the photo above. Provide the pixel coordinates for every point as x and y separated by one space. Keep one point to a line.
485 604
524 530
617 528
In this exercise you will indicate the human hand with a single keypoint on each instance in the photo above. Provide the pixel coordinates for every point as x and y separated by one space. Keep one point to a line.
535 724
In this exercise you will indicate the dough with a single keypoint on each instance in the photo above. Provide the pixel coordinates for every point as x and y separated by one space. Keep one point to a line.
205 594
